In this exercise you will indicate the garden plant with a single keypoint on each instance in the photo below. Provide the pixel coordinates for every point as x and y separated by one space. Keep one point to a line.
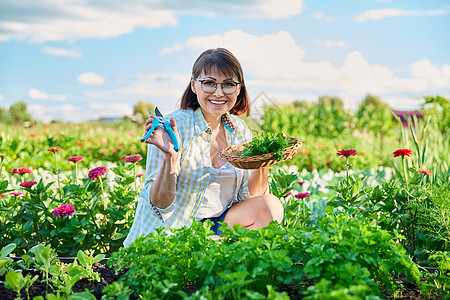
367 214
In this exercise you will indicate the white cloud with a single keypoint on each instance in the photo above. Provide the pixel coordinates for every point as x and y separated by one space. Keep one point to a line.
331 44
61 52
111 109
36 94
66 113
90 79
321 16
168 50
161 89
1 97
71 20
77 114
276 9
378 14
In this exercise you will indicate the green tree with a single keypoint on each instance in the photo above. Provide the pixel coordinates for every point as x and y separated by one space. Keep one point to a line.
140 110
375 116
4 116
19 114
439 109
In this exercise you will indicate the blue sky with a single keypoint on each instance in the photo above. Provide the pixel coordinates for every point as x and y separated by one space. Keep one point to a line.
80 60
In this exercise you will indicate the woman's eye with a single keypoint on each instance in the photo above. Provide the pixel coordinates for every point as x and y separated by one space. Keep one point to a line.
209 83
229 84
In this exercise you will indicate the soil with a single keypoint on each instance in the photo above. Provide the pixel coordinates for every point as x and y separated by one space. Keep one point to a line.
108 276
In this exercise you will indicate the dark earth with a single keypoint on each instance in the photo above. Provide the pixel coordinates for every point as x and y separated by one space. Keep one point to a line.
108 276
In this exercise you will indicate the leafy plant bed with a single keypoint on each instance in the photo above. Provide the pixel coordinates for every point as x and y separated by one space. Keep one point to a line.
108 276
39 288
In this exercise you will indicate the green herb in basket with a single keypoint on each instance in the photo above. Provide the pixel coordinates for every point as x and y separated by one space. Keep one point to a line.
263 143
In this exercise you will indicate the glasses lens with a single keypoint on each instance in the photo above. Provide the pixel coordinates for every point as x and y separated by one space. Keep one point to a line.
208 86
229 87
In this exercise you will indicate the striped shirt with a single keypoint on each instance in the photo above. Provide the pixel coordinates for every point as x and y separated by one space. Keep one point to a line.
193 172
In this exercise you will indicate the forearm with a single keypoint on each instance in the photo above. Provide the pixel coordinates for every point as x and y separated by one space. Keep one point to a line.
258 181
163 189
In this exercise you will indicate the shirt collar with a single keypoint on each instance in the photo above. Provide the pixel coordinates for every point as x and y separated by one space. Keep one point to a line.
201 125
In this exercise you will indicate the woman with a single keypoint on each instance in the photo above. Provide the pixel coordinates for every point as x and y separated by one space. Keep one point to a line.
195 183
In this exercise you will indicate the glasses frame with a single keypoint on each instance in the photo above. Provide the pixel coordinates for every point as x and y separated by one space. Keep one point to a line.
216 84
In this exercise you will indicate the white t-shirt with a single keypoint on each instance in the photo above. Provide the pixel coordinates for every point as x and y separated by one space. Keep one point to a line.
219 193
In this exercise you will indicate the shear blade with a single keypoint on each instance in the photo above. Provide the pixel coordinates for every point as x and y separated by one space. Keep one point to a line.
158 113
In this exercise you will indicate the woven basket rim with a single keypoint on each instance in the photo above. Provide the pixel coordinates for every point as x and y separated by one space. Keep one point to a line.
254 162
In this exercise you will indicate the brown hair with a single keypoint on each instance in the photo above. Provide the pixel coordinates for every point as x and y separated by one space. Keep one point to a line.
226 63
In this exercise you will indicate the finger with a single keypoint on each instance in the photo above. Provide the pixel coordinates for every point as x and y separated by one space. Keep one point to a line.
173 123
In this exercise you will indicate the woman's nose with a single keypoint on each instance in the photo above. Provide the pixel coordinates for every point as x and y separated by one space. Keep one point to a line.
219 91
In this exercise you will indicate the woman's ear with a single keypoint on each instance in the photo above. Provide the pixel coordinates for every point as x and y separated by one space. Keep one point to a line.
193 85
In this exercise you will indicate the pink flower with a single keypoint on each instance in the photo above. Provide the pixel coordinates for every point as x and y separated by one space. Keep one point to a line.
94 174
302 195
300 182
346 153
21 171
426 172
75 159
54 149
402 152
288 194
16 193
2 155
28 184
133 158
63 210
15 171
140 175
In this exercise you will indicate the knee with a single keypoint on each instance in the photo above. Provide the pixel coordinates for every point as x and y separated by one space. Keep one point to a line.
273 208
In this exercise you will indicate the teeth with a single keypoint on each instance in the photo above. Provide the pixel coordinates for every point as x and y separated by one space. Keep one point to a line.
217 102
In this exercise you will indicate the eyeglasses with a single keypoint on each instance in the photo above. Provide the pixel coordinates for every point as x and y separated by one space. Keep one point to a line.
209 86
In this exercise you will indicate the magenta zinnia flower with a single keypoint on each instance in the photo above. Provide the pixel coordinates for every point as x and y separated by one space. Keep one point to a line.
16 193
21 171
54 149
28 184
94 174
346 153
75 159
140 175
402 152
426 172
15 171
63 210
302 195
133 158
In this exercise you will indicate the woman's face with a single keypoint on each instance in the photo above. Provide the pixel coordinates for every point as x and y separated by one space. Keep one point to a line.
214 103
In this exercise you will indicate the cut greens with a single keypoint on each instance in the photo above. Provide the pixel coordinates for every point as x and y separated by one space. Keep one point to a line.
269 142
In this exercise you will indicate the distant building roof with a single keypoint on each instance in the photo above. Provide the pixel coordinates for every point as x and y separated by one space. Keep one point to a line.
408 115
258 104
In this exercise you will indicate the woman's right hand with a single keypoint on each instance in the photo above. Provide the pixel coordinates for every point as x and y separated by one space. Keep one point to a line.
161 138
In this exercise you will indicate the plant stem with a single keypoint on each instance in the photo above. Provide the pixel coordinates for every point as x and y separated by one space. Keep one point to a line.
76 173
57 176
135 179
346 165
406 177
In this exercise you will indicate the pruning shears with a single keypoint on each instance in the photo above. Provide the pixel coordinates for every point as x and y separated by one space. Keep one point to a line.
160 120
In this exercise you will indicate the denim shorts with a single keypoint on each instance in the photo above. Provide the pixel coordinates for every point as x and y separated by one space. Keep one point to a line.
215 227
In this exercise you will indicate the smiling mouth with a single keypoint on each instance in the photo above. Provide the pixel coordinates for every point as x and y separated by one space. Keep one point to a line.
217 101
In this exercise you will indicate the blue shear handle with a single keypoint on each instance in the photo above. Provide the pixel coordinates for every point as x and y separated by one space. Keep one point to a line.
155 125
169 130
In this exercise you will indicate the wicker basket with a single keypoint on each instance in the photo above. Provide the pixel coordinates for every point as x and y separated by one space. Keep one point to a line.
255 162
